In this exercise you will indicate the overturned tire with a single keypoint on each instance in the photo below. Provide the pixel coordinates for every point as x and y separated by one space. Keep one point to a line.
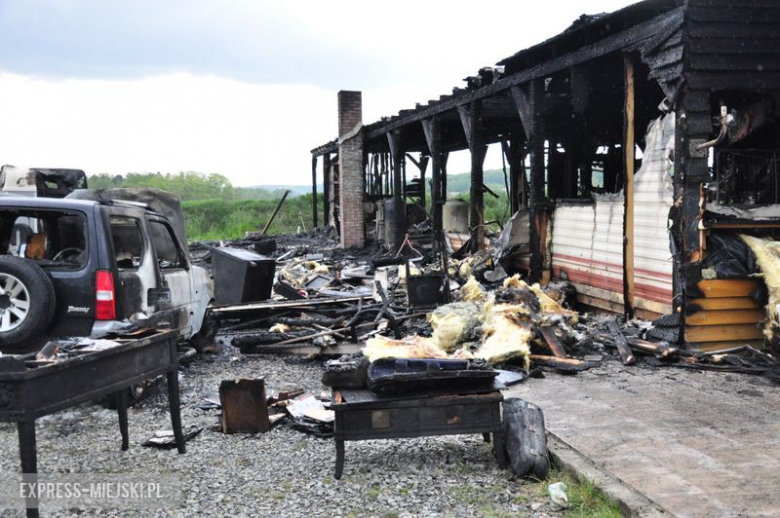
26 302
525 438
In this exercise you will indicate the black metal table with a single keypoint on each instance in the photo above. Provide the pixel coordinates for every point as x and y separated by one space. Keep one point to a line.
362 415
38 390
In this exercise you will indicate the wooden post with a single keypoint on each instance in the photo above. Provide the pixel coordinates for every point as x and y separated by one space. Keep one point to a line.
432 130
394 142
326 188
471 126
629 156
314 215
514 151
536 194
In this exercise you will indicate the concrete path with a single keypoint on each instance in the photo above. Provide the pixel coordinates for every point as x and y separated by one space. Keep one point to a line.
696 444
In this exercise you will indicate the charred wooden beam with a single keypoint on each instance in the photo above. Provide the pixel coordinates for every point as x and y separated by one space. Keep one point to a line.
432 130
471 120
537 197
585 54
326 187
399 204
553 342
629 161
523 107
622 345
314 215
514 150
564 364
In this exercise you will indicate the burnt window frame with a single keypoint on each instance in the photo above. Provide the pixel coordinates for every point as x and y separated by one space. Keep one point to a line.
139 225
24 212
183 264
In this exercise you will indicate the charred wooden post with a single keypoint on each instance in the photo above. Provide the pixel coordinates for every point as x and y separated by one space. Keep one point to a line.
326 188
536 192
514 151
399 203
629 156
432 130
693 127
555 171
470 118
314 215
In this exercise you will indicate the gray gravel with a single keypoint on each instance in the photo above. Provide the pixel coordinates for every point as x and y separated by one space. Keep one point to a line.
283 472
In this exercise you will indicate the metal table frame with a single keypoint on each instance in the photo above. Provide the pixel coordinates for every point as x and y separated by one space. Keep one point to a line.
31 393
372 417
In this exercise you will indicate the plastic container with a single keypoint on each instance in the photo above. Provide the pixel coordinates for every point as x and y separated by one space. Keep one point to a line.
241 275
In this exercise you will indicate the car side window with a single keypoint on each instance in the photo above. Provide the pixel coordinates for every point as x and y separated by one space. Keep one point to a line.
164 243
128 241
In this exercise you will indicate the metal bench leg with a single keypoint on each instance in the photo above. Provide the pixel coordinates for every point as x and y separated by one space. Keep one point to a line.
29 455
339 459
499 449
173 401
121 410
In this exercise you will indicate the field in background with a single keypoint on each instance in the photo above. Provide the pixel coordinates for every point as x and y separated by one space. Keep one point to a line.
214 209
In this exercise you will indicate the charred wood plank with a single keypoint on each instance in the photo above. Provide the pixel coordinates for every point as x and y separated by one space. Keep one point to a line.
622 345
564 364
244 406
553 342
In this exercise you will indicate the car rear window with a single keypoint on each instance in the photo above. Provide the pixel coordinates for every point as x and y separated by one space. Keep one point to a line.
48 237
128 241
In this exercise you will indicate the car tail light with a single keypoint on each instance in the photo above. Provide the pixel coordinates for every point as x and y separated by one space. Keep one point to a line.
105 308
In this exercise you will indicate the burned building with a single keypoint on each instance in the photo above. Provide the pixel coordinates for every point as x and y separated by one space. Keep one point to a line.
642 147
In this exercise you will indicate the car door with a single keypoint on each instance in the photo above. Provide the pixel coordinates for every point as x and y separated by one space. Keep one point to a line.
172 298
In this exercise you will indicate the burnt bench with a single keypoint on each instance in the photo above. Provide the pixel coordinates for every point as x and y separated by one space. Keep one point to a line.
363 415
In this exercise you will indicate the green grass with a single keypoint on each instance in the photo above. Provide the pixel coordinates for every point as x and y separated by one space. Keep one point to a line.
585 499
210 220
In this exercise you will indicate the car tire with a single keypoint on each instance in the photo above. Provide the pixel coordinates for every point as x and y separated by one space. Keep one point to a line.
27 302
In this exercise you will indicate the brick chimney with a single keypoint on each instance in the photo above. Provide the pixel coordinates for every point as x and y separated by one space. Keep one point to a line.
351 169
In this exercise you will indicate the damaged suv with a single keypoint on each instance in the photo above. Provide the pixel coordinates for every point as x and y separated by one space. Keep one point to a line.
96 262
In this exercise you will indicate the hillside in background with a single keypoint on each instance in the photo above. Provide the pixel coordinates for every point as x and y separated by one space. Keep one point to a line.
216 210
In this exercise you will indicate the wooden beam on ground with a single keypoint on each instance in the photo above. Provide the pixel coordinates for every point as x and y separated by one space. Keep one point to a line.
622 345
629 156
553 342
567 364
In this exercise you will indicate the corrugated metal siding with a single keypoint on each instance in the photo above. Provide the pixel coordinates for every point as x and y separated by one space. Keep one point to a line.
653 196
587 241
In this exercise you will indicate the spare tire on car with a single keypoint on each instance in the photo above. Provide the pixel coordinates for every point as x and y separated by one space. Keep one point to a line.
26 302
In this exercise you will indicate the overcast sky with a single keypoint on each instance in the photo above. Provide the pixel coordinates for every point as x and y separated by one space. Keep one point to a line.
240 87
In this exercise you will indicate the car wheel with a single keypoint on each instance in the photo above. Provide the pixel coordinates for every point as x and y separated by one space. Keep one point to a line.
26 302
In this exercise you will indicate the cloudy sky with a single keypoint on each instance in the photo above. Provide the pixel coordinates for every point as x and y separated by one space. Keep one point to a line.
240 87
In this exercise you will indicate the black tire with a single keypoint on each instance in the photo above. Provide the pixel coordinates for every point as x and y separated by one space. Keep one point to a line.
19 332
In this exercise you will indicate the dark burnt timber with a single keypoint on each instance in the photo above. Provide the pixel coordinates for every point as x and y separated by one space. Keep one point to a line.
570 115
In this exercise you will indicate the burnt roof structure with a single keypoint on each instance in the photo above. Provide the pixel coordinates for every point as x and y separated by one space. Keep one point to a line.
713 65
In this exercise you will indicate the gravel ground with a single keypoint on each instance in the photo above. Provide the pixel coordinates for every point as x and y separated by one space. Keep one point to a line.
283 472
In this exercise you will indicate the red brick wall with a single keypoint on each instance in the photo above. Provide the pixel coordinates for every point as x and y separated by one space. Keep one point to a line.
351 170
